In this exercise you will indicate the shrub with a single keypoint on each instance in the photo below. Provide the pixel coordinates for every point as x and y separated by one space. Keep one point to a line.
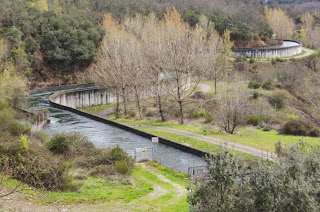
116 114
132 114
42 136
266 128
292 117
255 120
255 95
198 114
254 85
267 85
278 99
122 167
117 154
33 164
102 171
16 128
198 95
70 145
9 123
240 59
299 127
252 60
149 114
208 118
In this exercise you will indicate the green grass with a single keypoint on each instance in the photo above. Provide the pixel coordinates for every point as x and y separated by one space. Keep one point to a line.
111 194
195 143
264 140
97 109
250 136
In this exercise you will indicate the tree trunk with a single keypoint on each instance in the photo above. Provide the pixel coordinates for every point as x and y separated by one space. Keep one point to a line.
138 103
124 101
118 102
181 112
180 102
159 102
215 85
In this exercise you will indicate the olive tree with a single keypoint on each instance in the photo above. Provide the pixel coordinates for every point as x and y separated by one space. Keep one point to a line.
290 184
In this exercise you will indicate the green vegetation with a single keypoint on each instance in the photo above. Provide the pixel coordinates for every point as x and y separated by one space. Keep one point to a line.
250 136
130 193
265 186
299 127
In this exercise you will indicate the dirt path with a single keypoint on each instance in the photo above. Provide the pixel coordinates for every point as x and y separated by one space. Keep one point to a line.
308 52
179 189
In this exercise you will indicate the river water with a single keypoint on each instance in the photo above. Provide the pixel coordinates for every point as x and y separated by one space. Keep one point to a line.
103 135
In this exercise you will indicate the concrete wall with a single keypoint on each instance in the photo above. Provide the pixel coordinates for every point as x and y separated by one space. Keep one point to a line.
63 98
272 52
90 96
84 97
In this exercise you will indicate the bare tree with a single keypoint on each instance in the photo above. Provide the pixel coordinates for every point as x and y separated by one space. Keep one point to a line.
221 62
117 60
231 112
280 22
155 79
177 54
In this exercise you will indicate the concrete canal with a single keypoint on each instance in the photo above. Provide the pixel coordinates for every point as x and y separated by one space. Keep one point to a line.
103 135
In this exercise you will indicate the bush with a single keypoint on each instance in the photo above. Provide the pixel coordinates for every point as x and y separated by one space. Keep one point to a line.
277 60
118 154
267 85
278 99
70 145
292 117
102 171
17 129
31 163
266 128
8 122
240 59
116 114
149 114
299 127
255 120
122 167
255 95
252 60
132 114
198 114
208 118
42 136
254 85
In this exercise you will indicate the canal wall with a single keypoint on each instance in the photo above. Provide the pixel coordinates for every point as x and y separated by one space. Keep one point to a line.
271 52
63 100
84 97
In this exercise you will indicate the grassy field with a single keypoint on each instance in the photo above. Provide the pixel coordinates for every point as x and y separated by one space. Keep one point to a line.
250 136
97 109
202 145
104 193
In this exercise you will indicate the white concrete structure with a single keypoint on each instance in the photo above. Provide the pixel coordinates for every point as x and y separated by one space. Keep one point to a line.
287 49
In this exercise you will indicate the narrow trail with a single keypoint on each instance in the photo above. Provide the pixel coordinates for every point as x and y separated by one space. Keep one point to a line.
308 53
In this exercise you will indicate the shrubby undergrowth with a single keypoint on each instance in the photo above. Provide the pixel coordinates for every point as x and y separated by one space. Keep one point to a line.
289 184
50 163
